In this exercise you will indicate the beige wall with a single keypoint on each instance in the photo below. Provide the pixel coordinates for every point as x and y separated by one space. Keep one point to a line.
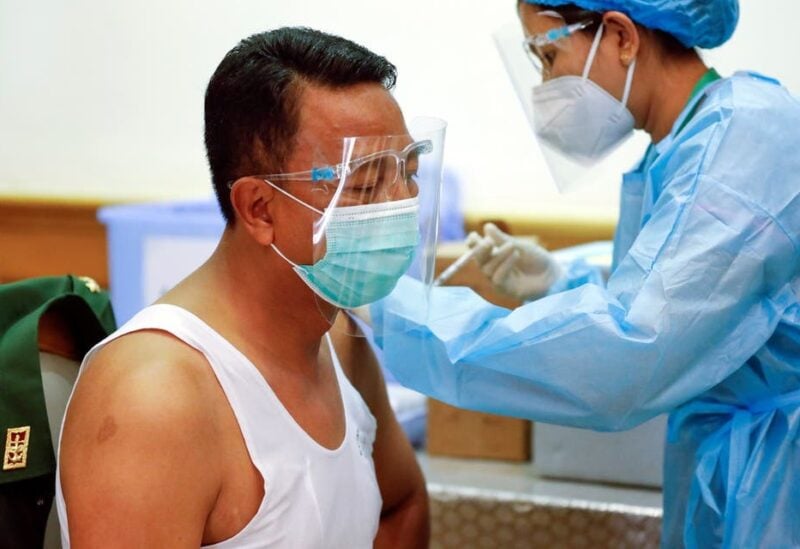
104 99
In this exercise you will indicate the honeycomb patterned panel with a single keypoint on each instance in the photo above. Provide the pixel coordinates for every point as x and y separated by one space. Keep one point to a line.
480 518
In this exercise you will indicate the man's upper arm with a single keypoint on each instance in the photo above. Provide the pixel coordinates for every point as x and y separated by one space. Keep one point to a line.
398 473
135 467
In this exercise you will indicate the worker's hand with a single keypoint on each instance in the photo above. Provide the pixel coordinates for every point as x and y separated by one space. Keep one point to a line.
518 268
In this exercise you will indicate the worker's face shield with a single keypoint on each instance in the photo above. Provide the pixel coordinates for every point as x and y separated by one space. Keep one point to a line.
541 46
578 125
372 214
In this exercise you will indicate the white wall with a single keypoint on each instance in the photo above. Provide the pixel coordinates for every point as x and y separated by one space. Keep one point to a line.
104 99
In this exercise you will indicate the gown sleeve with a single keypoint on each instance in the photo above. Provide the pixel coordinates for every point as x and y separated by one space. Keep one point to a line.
700 290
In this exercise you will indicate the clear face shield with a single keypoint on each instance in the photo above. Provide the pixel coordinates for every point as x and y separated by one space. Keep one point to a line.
579 126
376 216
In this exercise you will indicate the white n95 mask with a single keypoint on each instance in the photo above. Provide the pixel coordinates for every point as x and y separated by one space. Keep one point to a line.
578 118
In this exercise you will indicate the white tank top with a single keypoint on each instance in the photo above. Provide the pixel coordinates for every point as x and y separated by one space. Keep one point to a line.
314 497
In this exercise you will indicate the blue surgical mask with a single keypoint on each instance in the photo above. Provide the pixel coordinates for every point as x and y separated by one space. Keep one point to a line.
368 249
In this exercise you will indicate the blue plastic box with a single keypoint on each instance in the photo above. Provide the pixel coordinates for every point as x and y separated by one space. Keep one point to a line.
152 247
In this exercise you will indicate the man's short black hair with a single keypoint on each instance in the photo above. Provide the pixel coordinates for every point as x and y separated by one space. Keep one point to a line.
251 102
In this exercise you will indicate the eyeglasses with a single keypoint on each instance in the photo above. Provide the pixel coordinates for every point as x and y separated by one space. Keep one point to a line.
534 44
372 174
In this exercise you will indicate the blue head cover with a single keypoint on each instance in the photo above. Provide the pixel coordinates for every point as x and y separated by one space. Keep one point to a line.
696 23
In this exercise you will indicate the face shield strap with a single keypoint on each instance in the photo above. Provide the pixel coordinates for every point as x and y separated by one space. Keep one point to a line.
551 13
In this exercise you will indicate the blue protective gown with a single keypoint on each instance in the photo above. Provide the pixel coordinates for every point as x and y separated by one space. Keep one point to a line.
699 318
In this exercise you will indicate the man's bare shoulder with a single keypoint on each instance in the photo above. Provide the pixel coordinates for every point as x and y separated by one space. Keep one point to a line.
143 372
138 438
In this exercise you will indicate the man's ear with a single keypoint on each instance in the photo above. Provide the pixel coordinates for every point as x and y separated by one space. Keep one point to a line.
250 198
620 27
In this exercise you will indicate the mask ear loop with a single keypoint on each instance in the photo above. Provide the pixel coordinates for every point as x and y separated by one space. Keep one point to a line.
592 52
280 253
628 83
590 59
309 206
312 208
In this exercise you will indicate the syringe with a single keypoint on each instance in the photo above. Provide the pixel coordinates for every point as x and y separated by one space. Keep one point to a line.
455 266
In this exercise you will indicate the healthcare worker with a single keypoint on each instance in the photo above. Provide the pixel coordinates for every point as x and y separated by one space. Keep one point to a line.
699 317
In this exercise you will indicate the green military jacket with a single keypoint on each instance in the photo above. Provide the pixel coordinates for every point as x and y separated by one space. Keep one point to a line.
25 443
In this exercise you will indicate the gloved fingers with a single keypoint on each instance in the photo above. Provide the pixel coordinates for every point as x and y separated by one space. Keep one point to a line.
483 250
500 255
533 258
539 251
473 239
504 268
499 237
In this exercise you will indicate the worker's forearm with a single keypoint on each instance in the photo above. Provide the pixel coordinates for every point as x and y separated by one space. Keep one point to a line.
407 525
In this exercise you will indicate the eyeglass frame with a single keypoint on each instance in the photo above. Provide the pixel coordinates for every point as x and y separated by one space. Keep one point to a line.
552 36
336 172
